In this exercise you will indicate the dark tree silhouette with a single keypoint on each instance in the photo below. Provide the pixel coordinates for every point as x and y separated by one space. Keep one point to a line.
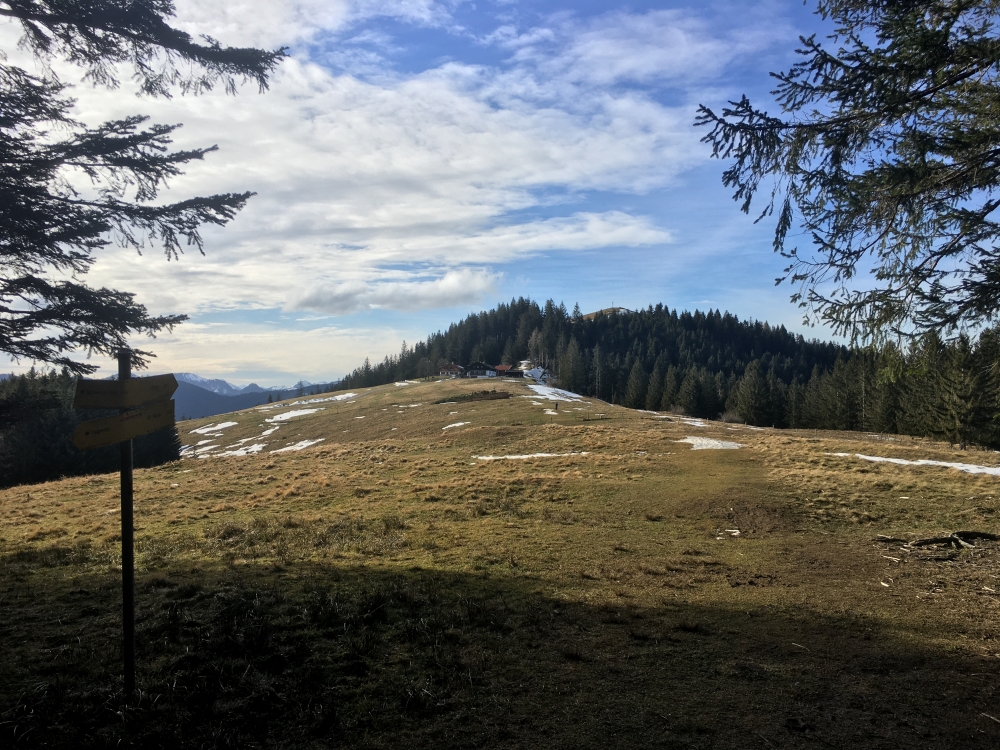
50 225
887 155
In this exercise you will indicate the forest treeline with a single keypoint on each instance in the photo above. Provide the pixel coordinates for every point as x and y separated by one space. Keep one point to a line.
37 420
596 354
710 365
713 365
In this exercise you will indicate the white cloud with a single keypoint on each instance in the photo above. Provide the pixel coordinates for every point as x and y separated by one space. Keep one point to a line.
355 175
377 189
262 23
269 354
274 23
352 176
582 231
464 286
658 46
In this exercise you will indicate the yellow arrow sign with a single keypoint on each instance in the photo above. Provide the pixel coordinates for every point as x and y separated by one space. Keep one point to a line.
123 394
96 433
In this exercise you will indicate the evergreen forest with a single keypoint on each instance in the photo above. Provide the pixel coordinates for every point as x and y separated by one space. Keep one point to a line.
703 364
712 365
37 421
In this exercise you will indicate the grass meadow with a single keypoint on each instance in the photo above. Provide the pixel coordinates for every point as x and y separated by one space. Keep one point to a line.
385 587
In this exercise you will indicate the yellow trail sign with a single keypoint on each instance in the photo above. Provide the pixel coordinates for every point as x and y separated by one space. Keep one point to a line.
97 433
123 394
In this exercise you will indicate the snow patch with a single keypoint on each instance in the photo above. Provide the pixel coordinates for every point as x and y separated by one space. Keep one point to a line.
457 424
968 468
213 427
245 451
704 443
341 397
291 415
530 455
269 431
299 445
555 394
238 443
693 422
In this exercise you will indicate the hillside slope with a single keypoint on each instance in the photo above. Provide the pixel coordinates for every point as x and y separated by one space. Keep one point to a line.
384 570
194 402
596 354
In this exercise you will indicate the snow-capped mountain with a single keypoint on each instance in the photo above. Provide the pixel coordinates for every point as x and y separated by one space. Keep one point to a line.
222 387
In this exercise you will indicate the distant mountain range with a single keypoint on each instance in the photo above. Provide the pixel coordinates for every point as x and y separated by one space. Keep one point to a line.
225 388
198 397
193 402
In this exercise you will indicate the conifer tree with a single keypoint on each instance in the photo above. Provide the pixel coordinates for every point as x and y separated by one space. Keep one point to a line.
752 397
50 230
712 401
967 402
794 405
923 360
813 413
599 378
777 397
572 369
654 391
671 382
887 155
509 352
689 398
635 390
536 348
37 421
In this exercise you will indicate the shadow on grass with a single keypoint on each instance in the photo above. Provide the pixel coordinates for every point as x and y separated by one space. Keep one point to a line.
329 656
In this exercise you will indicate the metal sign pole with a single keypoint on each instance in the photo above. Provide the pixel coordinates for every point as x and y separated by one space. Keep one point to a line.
144 406
128 549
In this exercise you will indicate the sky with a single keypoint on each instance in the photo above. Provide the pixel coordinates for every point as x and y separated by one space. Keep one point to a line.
415 161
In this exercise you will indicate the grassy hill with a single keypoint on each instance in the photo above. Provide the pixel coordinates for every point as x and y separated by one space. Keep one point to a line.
411 573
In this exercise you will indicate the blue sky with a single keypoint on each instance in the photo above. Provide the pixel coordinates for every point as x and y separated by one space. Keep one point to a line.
418 160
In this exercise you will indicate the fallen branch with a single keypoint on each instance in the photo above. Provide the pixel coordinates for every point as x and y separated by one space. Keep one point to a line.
958 539
950 540
939 558
970 535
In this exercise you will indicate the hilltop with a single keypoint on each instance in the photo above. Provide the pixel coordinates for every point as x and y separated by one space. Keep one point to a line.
399 566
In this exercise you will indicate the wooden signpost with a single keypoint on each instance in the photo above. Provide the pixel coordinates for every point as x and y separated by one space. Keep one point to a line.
123 394
144 406
132 423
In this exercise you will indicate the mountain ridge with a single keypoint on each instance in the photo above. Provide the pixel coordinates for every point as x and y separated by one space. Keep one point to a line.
194 401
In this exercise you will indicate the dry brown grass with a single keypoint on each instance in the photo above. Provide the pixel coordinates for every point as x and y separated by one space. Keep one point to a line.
385 588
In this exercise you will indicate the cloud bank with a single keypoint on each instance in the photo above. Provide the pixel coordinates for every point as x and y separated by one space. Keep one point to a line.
381 187
462 287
